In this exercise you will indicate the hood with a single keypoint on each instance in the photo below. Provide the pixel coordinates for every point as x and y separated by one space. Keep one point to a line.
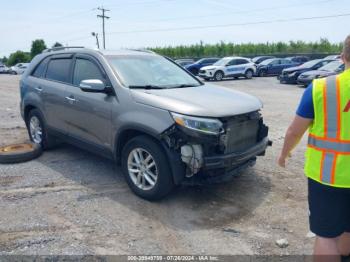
205 100
294 69
189 66
261 66
313 73
211 67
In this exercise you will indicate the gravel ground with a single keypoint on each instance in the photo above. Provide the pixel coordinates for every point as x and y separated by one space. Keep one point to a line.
69 201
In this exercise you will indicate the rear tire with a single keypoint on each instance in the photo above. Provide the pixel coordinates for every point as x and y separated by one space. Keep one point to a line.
151 183
44 139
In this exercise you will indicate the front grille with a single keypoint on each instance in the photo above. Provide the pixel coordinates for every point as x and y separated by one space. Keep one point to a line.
284 73
242 132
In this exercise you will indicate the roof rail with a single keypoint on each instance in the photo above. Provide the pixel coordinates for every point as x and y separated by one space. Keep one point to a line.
61 48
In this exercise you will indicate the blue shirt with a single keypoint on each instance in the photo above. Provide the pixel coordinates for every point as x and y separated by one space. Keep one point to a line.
306 106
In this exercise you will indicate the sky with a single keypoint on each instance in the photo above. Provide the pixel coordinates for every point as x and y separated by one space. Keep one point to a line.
153 23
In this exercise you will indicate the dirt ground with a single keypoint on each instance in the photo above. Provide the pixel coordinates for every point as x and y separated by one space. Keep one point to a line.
69 201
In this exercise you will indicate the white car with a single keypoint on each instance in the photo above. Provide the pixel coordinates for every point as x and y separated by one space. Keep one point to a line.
19 69
229 67
4 69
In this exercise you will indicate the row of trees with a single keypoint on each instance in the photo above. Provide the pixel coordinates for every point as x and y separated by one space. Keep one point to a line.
205 50
23 57
250 49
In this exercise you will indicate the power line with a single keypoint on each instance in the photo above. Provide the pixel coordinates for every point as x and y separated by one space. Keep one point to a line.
243 11
103 16
236 24
137 3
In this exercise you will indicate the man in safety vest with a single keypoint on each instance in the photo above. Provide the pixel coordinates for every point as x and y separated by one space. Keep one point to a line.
325 111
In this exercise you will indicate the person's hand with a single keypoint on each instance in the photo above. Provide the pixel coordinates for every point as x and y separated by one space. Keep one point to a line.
282 160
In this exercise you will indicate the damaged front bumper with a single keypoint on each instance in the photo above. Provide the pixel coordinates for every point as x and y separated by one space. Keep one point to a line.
210 159
218 169
233 159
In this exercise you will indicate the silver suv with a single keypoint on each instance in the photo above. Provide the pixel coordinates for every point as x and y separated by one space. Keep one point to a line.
163 125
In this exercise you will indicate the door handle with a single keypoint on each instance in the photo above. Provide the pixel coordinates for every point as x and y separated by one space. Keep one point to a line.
71 99
39 89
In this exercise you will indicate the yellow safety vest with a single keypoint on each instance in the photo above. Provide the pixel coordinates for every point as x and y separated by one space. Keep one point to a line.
328 152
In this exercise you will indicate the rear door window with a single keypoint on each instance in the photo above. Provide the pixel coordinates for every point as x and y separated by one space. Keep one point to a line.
59 70
242 62
85 69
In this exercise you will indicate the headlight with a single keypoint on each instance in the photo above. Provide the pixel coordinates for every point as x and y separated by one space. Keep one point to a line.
292 74
205 125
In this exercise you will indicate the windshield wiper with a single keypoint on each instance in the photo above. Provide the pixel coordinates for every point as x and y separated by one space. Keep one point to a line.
146 87
183 85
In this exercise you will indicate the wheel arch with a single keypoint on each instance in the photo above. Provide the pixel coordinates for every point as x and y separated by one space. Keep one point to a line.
124 135
128 132
27 109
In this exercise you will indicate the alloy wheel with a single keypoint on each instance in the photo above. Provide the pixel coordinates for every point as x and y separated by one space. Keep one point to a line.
35 130
142 169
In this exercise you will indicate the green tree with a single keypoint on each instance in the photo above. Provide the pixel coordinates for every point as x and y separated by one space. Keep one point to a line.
57 44
37 47
323 46
4 60
18 57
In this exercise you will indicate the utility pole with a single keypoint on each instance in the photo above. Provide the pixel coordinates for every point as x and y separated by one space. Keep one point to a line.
103 16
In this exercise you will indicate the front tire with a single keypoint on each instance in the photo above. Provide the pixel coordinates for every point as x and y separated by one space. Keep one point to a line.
37 130
262 73
218 76
249 74
146 168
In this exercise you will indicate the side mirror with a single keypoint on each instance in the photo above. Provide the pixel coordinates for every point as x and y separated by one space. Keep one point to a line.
92 86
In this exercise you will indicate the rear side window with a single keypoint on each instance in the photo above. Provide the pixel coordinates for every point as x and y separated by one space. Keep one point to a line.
40 69
58 69
242 62
85 69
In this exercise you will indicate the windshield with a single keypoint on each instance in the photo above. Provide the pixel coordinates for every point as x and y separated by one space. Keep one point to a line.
267 61
223 61
332 66
311 63
150 71
256 59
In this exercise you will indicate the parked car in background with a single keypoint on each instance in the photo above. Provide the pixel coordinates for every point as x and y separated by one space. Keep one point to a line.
194 68
145 112
290 75
4 69
333 57
299 59
18 69
332 68
258 59
229 67
273 66
184 62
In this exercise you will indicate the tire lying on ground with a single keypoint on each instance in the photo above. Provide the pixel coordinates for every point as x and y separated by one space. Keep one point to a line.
19 153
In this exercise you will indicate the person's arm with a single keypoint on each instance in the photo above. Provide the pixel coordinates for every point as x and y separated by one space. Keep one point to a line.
303 119
294 134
